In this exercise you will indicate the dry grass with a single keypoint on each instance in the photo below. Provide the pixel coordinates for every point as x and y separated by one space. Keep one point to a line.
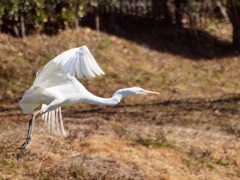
190 131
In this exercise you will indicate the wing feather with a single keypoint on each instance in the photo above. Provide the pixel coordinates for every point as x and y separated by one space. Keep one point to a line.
89 67
82 68
79 72
92 63
75 62
72 65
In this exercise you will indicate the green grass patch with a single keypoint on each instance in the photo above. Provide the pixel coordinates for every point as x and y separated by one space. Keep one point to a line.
77 172
43 176
224 163
198 163
154 143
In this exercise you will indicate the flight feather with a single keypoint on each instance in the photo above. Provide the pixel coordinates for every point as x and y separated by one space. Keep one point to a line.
78 61
75 62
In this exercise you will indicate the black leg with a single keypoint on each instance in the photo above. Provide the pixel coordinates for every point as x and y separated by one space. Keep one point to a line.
24 146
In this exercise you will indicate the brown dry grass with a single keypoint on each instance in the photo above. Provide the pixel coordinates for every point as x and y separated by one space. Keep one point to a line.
190 131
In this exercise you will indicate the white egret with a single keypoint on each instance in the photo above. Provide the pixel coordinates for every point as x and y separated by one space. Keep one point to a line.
56 86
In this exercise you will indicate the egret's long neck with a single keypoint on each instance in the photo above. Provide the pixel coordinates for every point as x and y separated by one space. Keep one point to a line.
114 100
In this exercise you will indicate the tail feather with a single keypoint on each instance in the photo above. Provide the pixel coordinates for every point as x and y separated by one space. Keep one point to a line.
54 122
57 122
61 122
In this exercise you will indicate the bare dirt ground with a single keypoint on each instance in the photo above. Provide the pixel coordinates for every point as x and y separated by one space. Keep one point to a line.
167 140
190 131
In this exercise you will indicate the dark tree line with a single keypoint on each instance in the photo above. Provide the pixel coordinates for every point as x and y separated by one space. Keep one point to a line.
234 15
22 17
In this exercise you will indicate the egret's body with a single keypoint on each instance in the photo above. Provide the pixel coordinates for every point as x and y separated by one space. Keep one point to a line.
56 86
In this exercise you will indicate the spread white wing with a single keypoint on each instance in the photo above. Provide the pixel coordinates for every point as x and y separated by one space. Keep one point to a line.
74 62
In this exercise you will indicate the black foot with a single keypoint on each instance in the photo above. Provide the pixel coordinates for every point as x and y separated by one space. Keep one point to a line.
23 149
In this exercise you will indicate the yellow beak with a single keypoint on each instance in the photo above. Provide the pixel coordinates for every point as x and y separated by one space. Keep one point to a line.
150 92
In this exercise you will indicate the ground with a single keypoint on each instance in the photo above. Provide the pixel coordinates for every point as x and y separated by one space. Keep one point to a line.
190 131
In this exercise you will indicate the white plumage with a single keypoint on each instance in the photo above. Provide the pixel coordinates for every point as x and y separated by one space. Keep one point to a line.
78 61
58 74
56 86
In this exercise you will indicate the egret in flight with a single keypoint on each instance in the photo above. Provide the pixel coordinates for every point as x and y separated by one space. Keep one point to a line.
56 86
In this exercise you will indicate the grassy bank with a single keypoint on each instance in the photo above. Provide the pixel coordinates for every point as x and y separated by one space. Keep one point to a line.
190 131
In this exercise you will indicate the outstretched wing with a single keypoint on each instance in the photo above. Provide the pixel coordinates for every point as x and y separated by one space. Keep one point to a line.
78 61
74 62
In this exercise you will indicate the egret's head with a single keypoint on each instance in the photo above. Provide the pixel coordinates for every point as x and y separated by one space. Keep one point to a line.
135 91
141 91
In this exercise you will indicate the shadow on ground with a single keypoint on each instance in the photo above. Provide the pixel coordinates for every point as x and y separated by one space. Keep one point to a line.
187 42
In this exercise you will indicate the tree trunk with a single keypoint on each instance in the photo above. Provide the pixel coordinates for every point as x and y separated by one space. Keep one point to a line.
222 10
160 11
234 15
97 18
77 3
22 26
179 10
16 31
77 25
